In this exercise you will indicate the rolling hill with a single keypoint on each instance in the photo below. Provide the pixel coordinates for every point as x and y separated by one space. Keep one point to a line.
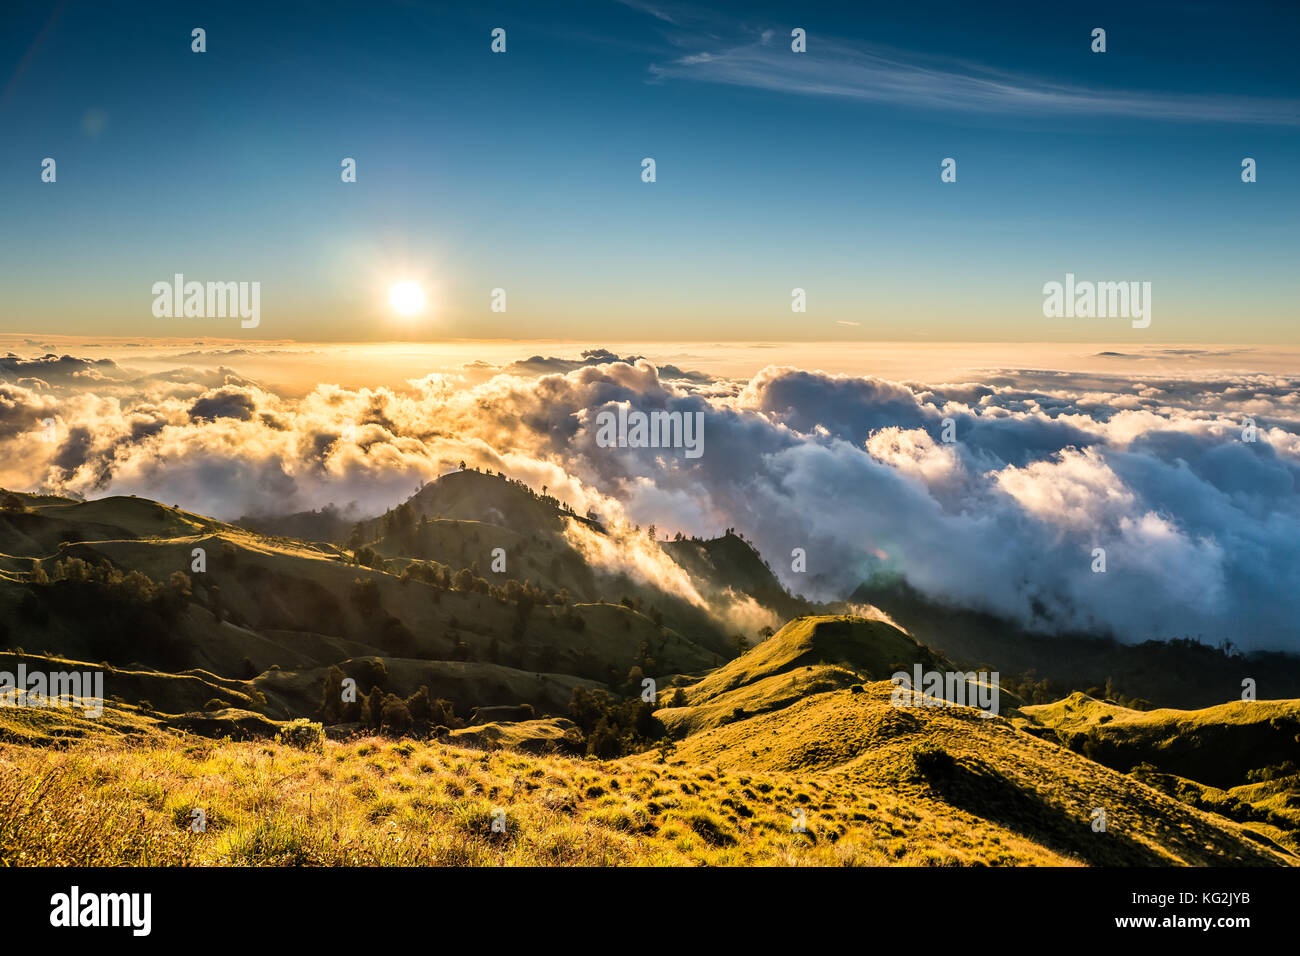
524 691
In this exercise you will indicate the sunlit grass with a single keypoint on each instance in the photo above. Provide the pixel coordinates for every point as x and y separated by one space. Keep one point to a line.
372 802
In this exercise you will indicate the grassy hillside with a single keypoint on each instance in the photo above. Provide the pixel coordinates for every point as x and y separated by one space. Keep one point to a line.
374 801
866 781
264 601
1005 798
1217 745
212 639
463 517
810 655
1240 759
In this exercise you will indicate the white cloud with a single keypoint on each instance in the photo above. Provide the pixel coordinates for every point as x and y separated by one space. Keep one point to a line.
1201 529
902 79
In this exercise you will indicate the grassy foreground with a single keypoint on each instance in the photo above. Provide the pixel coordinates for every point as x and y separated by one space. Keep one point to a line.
119 801
796 753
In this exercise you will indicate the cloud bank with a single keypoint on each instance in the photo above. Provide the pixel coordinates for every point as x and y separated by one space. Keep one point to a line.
1200 527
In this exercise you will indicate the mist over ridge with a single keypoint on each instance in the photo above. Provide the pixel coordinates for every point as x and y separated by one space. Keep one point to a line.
1201 529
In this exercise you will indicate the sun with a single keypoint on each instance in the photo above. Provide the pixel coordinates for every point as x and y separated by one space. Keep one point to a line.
406 298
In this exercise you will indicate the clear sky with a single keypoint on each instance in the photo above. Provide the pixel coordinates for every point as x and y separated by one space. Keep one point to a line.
775 169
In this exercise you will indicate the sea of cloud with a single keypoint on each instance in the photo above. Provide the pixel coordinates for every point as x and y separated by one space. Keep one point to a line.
1201 528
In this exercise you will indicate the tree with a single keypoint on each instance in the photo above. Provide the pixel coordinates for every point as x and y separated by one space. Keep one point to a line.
443 713
331 699
365 595
178 586
634 678
372 708
395 717
419 705
374 672
602 742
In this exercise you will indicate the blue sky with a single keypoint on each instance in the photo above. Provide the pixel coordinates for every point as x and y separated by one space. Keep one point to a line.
775 170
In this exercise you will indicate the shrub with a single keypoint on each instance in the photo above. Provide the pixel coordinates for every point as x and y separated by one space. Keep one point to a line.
395 717
574 741
711 829
613 727
303 734
1285 769
931 762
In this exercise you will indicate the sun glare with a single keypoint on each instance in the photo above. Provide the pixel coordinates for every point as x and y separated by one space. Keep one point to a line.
406 298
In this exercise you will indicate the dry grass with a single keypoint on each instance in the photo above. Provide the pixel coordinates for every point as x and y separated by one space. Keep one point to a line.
874 785
376 802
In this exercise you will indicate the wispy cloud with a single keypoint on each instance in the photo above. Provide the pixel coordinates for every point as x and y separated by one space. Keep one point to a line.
657 10
836 68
